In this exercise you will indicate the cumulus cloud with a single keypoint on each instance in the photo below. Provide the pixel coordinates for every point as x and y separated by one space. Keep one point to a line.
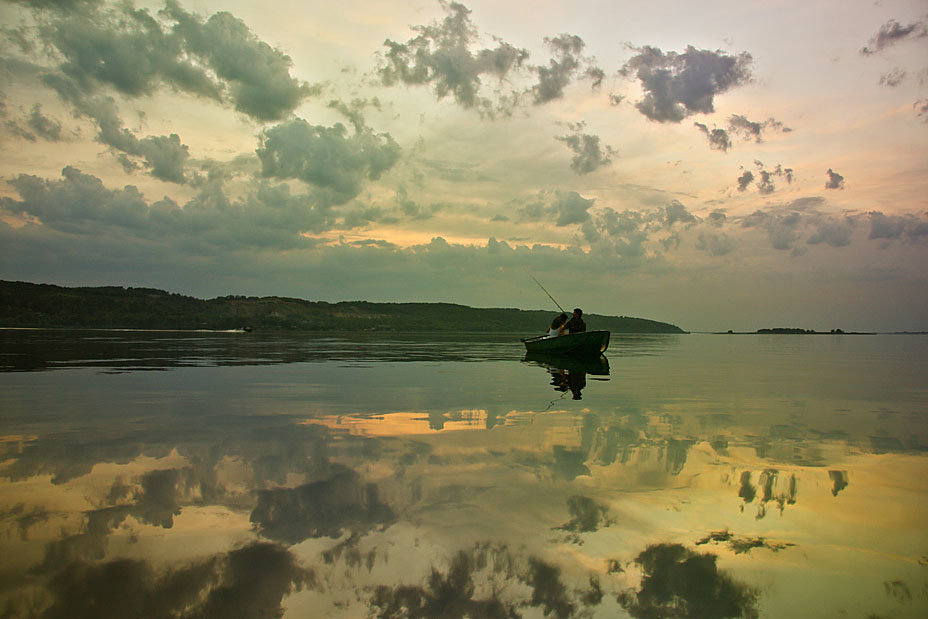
835 180
783 229
892 32
441 55
921 109
328 158
678 85
589 154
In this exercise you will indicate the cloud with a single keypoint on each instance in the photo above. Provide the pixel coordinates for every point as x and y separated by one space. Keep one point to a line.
320 509
548 591
36 126
680 85
249 581
764 178
441 55
715 244
79 204
676 212
718 138
832 231
782 229
571 208
567 63
752 130
681 583
586 515
588 154
921 107
893 78
892 227
326 157
835 180
892 32
450 594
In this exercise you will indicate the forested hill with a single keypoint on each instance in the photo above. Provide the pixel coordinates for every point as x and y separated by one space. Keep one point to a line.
44 305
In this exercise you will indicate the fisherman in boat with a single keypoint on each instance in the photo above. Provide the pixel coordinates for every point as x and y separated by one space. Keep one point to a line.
576 324
557 326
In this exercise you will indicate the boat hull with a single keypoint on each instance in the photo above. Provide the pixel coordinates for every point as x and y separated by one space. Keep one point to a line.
584 343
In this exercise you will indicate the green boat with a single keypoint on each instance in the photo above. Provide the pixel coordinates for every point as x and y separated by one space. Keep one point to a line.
577 344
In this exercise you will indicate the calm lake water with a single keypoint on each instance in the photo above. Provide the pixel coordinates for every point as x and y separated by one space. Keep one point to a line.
233 475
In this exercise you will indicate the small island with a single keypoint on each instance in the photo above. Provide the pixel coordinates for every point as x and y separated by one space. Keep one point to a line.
28 305
795 331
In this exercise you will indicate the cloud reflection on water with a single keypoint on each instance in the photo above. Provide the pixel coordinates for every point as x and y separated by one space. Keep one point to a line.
631 502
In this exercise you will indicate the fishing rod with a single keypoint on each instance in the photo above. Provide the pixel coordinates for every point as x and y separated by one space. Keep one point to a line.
547 293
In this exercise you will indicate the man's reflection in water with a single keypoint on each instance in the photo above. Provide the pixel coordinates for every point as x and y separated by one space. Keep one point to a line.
568 380
569 374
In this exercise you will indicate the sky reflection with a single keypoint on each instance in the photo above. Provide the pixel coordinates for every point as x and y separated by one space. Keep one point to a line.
318 488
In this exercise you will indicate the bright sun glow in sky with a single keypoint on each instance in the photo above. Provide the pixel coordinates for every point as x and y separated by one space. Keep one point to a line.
718 165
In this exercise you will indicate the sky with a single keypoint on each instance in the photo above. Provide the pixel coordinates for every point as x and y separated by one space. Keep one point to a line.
718 165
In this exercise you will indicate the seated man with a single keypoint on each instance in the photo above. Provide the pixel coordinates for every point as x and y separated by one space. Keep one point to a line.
576 324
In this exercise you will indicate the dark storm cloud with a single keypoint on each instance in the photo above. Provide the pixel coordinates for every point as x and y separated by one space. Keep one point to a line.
835 180
678 85
567 64
250 581
892 32
441 55
326 157
79 204
718 138
320 509
589 155
678 582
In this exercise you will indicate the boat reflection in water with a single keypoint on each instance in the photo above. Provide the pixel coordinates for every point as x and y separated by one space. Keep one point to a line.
569 373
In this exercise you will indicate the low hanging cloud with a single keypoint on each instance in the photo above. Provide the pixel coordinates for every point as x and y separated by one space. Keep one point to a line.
441 55
718 138
589 154
835 180
678 85
78 204
893 78
565 208
715 244
328 158
893 32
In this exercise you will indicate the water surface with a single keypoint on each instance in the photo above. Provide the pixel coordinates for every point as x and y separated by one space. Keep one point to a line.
230 474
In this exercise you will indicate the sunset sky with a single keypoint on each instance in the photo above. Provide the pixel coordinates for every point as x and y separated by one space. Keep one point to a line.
718 165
